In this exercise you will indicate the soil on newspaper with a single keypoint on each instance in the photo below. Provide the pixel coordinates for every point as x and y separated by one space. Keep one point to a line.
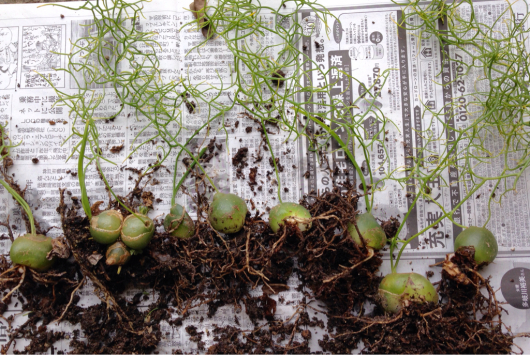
466 320
173 276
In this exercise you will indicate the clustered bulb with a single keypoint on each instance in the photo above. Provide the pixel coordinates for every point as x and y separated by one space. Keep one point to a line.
117 254
178 223
122 235
105 228
137 231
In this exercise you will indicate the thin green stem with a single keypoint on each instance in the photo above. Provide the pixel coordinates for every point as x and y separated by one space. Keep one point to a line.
22 204
81 172
352 159
186 173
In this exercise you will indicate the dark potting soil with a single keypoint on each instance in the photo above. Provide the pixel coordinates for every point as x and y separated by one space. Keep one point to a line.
466 321
216 270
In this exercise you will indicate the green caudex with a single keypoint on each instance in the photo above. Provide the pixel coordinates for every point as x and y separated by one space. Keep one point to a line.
482 241
366 227
227 213
117 254
30 249
397 291
289 213
137 230
178 223
105 228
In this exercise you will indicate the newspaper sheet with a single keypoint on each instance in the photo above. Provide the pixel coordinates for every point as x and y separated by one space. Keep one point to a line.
364 42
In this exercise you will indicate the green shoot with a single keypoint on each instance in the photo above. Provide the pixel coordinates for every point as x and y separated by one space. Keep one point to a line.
81 173
22 204
185 176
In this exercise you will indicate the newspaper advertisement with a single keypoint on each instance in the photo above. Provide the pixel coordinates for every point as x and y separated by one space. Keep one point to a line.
364 41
